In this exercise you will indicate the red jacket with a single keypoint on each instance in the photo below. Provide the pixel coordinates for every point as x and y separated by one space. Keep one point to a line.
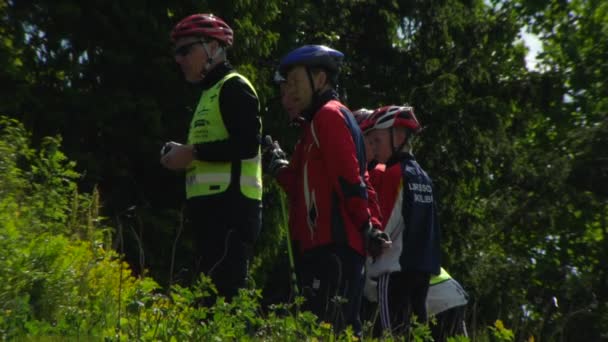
376 173
327 182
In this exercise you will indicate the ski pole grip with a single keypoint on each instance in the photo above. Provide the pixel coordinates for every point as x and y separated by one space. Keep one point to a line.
267 142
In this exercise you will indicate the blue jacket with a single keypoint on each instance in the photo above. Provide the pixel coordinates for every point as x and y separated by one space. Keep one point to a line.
421 235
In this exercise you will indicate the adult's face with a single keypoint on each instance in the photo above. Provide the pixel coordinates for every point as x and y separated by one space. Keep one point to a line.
296 91
288 102
192 58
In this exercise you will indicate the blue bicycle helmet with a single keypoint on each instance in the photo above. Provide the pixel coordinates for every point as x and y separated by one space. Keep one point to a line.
312 56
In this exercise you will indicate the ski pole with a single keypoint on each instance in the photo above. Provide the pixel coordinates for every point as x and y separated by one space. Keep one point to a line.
289 249
268 143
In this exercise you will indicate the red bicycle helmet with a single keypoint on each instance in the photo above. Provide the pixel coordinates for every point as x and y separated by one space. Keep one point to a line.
395 116
207 25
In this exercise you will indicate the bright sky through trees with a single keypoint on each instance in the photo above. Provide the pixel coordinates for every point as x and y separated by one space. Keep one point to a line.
534 46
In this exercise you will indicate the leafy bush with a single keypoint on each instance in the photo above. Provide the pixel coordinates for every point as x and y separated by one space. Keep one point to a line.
57 276
60 279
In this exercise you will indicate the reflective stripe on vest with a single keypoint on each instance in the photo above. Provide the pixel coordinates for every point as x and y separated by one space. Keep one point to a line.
207 178
443 276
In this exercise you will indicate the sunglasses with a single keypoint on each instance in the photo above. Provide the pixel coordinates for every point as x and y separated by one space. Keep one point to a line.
185 49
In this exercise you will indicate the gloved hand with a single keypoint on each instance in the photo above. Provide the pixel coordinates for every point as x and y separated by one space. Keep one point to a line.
167 147
273 158
376 241
175 156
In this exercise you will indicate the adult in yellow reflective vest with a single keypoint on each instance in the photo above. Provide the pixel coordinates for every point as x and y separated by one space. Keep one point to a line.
222 155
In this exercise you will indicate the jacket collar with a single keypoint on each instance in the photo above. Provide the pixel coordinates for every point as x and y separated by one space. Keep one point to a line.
319 101
399 157
215 74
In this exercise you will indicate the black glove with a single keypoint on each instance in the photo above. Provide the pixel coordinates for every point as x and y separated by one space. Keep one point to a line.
273 158
375 241
165 149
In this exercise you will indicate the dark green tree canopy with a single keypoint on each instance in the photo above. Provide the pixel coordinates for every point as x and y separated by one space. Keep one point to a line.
517 154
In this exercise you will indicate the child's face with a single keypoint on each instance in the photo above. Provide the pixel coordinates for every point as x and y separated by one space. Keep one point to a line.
381 144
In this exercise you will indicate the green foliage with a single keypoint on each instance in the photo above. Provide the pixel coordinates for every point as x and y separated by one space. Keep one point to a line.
61 280
273 238
58 275
500 333
518 156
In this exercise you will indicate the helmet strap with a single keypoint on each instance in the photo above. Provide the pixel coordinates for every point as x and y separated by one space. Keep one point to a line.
315 92
210 58
311 81
395 150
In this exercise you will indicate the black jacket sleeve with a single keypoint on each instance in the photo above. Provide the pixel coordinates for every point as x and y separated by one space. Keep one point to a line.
239 109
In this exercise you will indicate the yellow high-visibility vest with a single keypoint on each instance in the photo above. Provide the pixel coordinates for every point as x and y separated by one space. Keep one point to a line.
205 178
443 276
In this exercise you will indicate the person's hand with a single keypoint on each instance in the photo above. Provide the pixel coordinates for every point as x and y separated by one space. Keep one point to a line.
376 241
166 148
273 158
175 156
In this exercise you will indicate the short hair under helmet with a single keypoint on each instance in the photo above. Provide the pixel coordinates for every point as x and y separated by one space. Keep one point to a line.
313 56
203 24
395 116
363 115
